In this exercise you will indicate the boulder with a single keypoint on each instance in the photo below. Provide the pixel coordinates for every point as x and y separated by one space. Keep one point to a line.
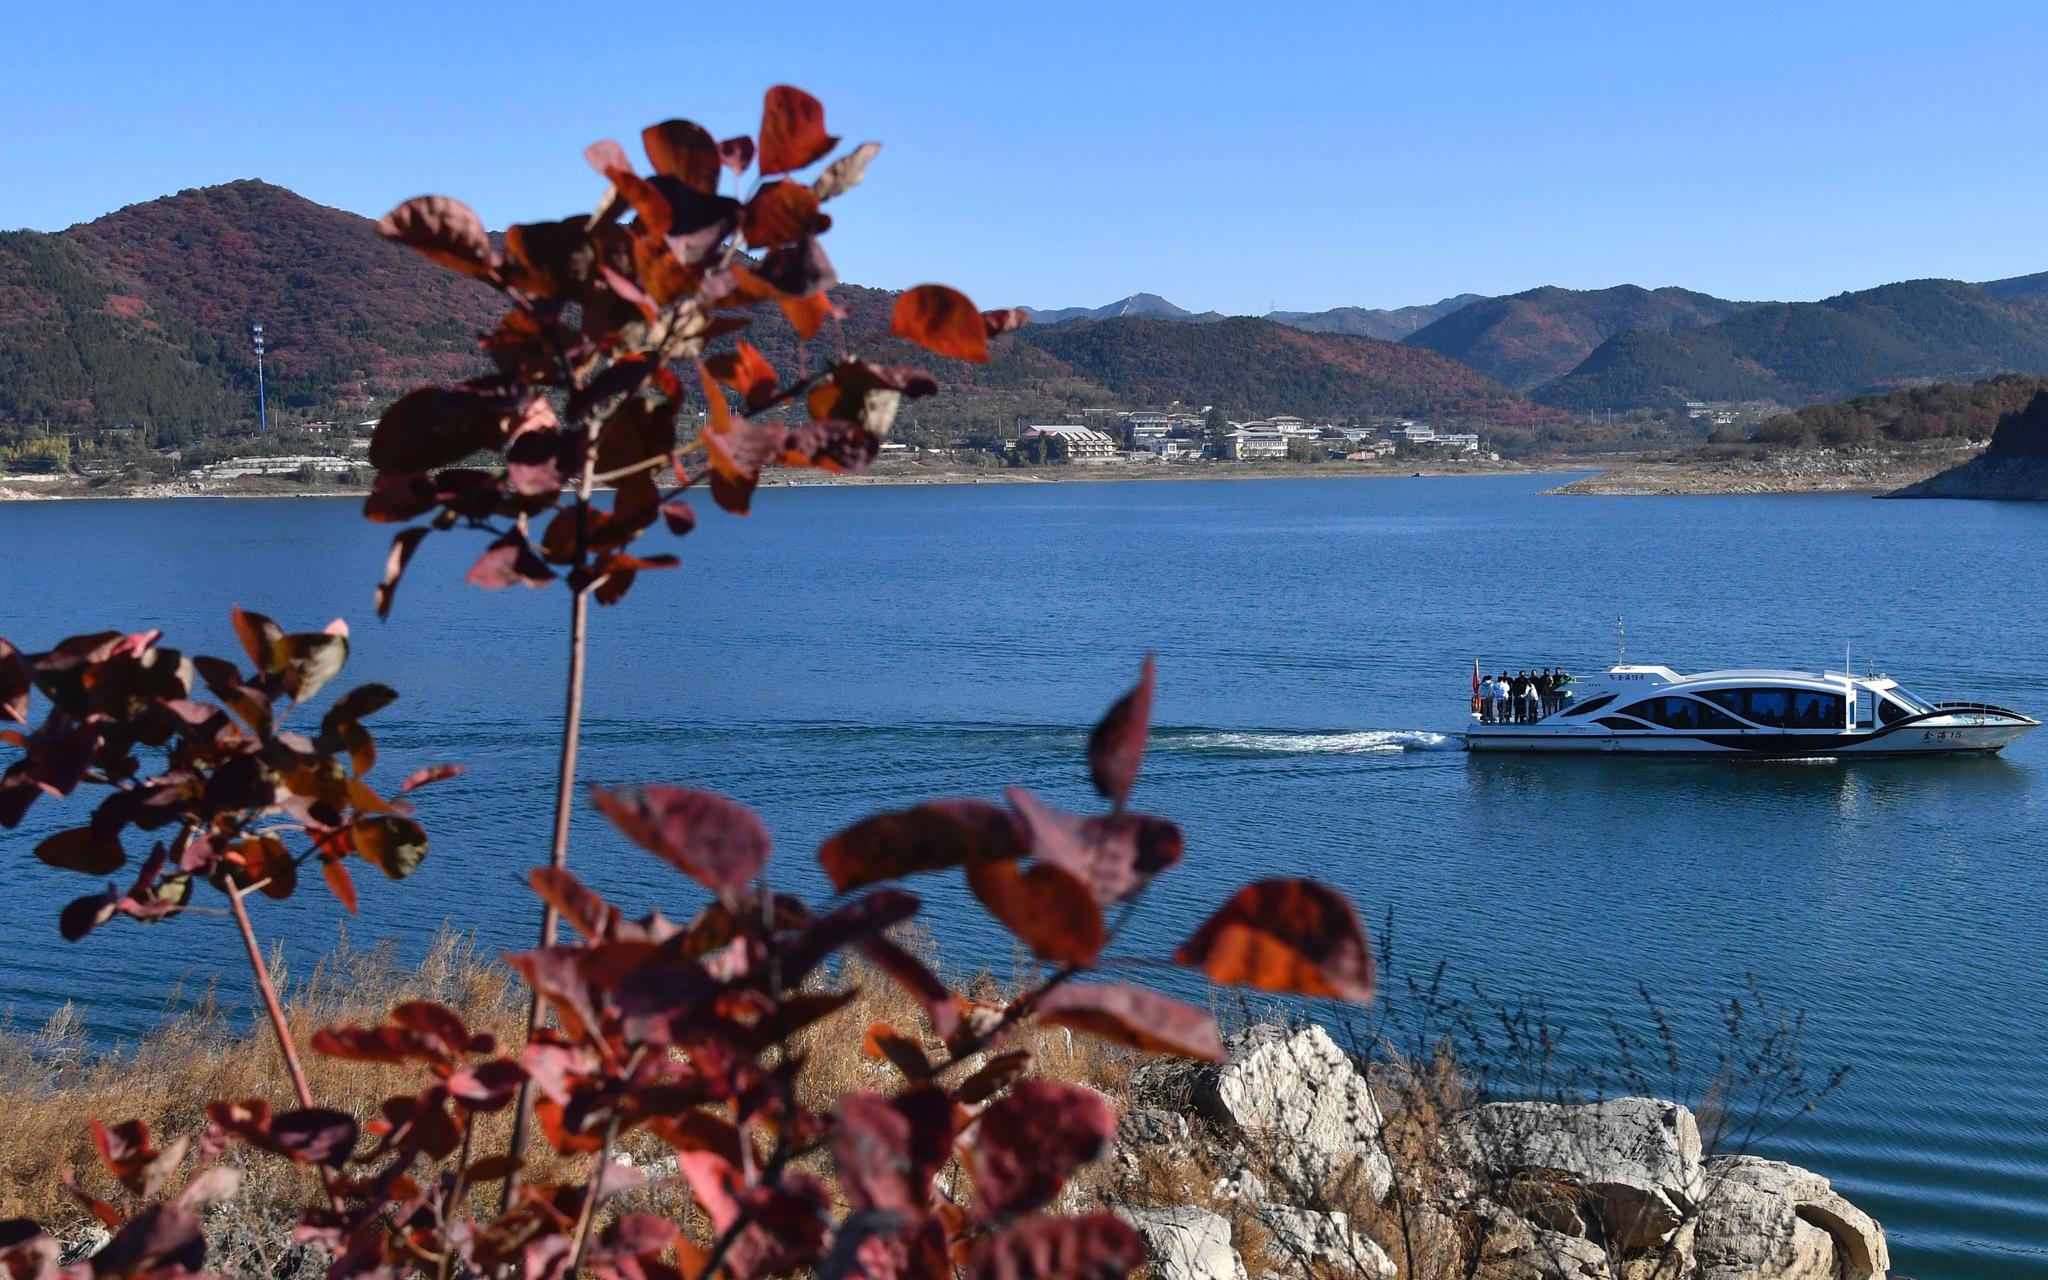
1635 1161
1508 1246
1313 1243
1294 1099
1764 1218
1186 1243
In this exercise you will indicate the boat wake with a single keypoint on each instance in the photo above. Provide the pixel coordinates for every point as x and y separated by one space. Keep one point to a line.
1358 742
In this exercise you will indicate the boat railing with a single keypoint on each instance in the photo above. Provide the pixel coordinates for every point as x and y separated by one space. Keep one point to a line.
1984 707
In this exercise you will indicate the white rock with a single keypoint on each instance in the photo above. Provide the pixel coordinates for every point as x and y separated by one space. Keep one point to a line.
1186 1243
1509 1247
1764 1218
1295 1099
1637 1160
1312 1239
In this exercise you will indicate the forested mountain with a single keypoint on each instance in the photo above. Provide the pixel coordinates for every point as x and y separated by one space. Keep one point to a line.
1361 322
1800 352
145 313
1150 305
1526 339
1943 411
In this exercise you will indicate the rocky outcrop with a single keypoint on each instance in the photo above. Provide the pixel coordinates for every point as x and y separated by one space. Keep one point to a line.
1186 1243
2013 468
1634 1163
1299 1099
1283 1145
1311 1240
1768 1218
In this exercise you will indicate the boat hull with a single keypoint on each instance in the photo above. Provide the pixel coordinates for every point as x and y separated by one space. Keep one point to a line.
1908 740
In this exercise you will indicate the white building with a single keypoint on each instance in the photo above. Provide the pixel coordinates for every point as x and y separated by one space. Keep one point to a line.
1413 433
1247 441
1458 442
1075 444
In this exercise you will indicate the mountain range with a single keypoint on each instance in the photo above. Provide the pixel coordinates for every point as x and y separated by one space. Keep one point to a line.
143 315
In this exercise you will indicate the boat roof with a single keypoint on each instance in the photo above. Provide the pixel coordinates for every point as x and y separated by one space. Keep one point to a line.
1665 675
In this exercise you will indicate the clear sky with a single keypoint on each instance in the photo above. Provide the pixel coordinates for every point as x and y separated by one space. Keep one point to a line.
1046 153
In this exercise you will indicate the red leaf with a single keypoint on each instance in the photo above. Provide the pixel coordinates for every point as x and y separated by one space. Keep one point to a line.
1001 322
940 1005
587 912
679 516
444 231
736 153
82 915
1295 936
1048 909
1117 746
607 156
15 684
807 315
996 1075
685 152
885 1044
746 371
1092 1246
796 270
432 773
1110 855
339 882
718 841
845 173
792 131
1028 1143
781 212
402 547
83 849
941 320
509 560
1133 1016
931 837
888 1150
439 426
314 1135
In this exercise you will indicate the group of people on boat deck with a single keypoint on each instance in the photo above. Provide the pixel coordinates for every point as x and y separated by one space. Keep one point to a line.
1522 698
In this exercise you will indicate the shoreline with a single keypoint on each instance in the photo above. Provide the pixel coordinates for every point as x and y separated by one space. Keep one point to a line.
12 487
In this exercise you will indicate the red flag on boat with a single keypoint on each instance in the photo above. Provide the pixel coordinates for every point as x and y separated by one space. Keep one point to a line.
1475 675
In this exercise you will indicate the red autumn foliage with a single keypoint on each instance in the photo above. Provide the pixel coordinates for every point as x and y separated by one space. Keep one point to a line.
680 1030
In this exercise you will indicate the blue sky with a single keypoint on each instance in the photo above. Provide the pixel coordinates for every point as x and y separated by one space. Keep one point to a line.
1234 157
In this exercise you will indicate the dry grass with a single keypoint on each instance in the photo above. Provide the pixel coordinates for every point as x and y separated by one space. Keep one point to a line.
51 1085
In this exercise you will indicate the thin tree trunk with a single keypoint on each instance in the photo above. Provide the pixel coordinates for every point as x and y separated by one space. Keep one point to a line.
268 990
565 800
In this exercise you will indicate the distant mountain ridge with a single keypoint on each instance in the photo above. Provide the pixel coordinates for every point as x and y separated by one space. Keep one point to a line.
1526 339
1869 341
1359 322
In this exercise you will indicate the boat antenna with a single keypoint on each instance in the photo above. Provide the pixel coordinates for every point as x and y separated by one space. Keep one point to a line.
1620 642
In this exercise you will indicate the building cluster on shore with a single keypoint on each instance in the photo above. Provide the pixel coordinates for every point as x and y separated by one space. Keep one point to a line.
1175 436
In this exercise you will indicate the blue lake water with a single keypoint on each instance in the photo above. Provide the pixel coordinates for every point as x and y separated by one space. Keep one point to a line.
850 649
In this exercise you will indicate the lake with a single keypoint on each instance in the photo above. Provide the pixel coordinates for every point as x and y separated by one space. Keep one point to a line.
849 649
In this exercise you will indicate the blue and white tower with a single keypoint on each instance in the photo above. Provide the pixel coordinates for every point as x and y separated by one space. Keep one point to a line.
262 416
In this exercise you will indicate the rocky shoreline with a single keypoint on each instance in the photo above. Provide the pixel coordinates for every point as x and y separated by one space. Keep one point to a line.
1760 471
1317 1171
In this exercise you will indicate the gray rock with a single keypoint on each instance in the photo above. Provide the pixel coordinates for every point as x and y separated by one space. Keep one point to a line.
1764 1218
1151 1127
1315 1240
1636 1161
83 1241
1186 1243
1296 1100
1510 1247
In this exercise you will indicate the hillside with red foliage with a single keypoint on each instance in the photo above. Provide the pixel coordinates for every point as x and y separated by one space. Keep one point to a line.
145 314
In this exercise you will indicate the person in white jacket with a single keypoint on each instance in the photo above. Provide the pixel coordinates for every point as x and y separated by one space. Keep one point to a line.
1489 701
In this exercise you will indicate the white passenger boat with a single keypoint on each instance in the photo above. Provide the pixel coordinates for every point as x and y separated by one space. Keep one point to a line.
1636 709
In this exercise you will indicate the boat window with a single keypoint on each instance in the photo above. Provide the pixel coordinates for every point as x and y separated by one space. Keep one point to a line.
1678 712
1782 708
1616 722
1589 706
1913 701
1891 712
